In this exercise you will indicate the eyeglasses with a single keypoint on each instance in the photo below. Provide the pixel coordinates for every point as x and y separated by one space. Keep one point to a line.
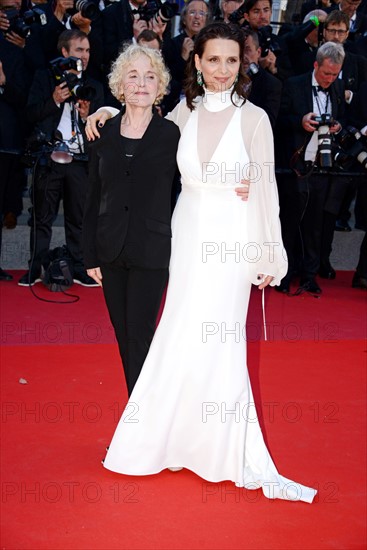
199 13
334 32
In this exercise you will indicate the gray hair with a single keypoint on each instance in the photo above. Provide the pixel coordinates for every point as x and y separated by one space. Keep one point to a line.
320 14
127 57
186 8
330 50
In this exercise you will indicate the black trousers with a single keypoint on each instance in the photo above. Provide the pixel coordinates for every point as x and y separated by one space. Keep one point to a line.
308 210
52 183
12 181
133 296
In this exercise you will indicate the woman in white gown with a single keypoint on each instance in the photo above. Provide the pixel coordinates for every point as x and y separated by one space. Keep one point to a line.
192 405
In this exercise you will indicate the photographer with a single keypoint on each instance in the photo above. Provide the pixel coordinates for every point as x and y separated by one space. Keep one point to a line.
14 84
57 110
358 20
123 21
177 51
226 8
257 14
304 41
12 6
359 120
354 70
266 90
72 14
312 110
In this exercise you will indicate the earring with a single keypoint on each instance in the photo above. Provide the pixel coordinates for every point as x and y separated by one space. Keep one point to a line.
122 98
199 78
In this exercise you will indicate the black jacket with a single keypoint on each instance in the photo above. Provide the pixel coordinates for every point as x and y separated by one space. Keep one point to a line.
131 200
43 112
13 96
117 22
297 101
266 91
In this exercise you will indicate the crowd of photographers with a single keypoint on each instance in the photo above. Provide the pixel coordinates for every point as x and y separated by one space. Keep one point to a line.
308 72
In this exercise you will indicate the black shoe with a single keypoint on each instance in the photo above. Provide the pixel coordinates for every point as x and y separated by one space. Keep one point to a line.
340 225
4 276
326 271
310 285
82 278
29 279
359 281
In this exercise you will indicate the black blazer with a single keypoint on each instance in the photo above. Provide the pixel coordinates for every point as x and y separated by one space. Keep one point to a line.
43 112
130 203
266 91
117 22
297 100
13 98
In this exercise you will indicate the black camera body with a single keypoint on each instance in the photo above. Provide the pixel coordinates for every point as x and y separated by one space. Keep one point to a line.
77 86
88 9
20 23
237 15
351 148
267 42
325 119
154 9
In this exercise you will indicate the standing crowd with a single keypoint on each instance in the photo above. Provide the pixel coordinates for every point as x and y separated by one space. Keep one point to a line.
310 77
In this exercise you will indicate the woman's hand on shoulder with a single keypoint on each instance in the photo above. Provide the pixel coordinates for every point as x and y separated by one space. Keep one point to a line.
96 274
99 118
244 190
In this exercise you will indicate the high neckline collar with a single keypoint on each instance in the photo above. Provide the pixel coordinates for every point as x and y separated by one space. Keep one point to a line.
218 101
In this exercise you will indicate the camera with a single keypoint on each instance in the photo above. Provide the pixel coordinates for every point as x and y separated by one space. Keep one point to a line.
350 148
21 24
77 86
266 39
267 42
324 139
88 9
156 8
237 15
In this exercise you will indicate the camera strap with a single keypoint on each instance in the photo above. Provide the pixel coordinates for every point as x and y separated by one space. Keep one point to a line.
75 130
316 96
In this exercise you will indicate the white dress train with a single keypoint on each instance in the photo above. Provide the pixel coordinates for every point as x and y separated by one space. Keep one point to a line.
192 405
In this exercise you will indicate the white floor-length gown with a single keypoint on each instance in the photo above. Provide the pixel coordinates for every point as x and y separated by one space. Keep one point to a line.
192 405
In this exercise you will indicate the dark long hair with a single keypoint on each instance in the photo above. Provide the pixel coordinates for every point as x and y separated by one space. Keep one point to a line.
210 32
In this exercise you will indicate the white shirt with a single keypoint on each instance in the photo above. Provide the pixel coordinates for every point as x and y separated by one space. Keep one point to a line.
321 104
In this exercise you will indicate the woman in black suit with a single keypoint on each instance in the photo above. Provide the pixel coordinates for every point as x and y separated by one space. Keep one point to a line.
126 232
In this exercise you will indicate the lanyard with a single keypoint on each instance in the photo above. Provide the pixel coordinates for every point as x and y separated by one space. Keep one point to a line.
316 96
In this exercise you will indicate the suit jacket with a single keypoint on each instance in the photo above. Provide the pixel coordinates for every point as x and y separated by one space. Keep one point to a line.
354 71
266 91
117 21
297 100
14 95
129 203
43 112
360 27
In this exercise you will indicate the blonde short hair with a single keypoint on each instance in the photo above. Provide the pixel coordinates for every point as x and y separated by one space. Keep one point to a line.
127 57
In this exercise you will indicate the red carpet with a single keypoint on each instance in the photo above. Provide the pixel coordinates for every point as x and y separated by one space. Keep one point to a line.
309 378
